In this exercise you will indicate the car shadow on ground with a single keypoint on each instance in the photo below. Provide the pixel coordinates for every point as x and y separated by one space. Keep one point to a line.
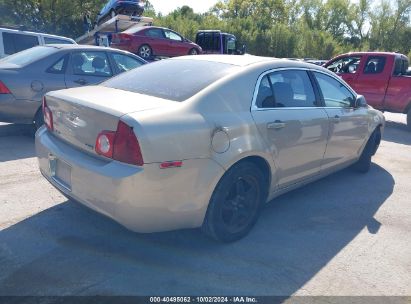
7 130
71 250
16 142
397 132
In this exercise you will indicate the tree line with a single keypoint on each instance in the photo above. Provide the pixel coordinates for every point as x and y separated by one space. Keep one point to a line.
278 28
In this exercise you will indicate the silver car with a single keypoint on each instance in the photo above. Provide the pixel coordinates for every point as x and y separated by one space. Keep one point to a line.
26 76
203 141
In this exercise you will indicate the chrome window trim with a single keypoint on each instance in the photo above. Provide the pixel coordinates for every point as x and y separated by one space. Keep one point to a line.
257 86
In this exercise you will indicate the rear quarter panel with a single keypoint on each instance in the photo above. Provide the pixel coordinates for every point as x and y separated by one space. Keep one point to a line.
216 123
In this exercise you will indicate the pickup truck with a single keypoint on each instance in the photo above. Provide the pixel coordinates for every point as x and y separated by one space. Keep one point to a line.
380 76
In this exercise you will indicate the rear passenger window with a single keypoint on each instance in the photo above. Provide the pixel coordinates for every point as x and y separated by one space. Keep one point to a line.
289 88
59 67
154 33
14 43
374 65
48 40
334 92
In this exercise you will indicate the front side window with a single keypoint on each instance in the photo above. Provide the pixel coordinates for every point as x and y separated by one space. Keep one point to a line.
348 64
289 88
334 92
173 36
125 63
14 43
231 45
90 64
374 65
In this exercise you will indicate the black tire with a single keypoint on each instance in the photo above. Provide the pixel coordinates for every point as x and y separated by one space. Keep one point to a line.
145 51
38 119
409 119
236 203
193 51
364 162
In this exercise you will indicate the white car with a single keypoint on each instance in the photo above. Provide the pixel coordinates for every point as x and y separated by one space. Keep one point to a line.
13 40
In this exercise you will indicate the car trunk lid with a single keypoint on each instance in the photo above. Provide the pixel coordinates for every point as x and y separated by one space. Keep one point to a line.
80 114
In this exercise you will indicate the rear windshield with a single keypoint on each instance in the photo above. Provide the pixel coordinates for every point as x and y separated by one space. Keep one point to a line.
176 80
28 56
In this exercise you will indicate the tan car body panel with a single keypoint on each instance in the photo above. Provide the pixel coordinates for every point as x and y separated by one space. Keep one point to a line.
209 132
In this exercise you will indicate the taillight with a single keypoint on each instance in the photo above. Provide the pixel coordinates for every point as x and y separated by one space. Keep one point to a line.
4 89
121 145
47 115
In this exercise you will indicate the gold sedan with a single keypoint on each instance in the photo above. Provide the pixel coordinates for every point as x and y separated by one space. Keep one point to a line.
203 141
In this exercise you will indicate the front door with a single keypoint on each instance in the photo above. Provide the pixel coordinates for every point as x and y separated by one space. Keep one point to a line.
294 128
348 127
175 44
372 82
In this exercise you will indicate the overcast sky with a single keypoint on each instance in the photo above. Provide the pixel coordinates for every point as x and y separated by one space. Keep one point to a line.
166 6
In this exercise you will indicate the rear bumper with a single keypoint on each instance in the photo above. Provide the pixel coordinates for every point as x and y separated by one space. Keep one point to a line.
144 199
17 110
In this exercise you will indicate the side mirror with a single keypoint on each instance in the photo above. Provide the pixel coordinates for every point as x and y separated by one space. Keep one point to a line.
360 102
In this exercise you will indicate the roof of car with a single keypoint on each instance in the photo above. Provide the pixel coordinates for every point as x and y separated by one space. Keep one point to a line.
85 47
244 60
372 53
22 31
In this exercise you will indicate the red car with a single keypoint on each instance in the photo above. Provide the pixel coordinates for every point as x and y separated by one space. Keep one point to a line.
151 41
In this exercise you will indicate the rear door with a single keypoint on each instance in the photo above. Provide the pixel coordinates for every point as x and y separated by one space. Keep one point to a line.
87 68
398 95
295 129
373 80
348 126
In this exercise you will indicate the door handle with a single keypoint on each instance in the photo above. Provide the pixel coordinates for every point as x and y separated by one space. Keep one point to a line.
80 81
336 119
276 125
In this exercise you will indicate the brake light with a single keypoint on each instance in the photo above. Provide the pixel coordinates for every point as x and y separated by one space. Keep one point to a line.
120 38
121 145
47 115
4 89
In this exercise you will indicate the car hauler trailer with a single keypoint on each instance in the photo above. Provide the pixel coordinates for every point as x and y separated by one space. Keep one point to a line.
101 34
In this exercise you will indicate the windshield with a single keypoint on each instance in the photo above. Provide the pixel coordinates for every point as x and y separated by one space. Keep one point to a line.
176 80
28 56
